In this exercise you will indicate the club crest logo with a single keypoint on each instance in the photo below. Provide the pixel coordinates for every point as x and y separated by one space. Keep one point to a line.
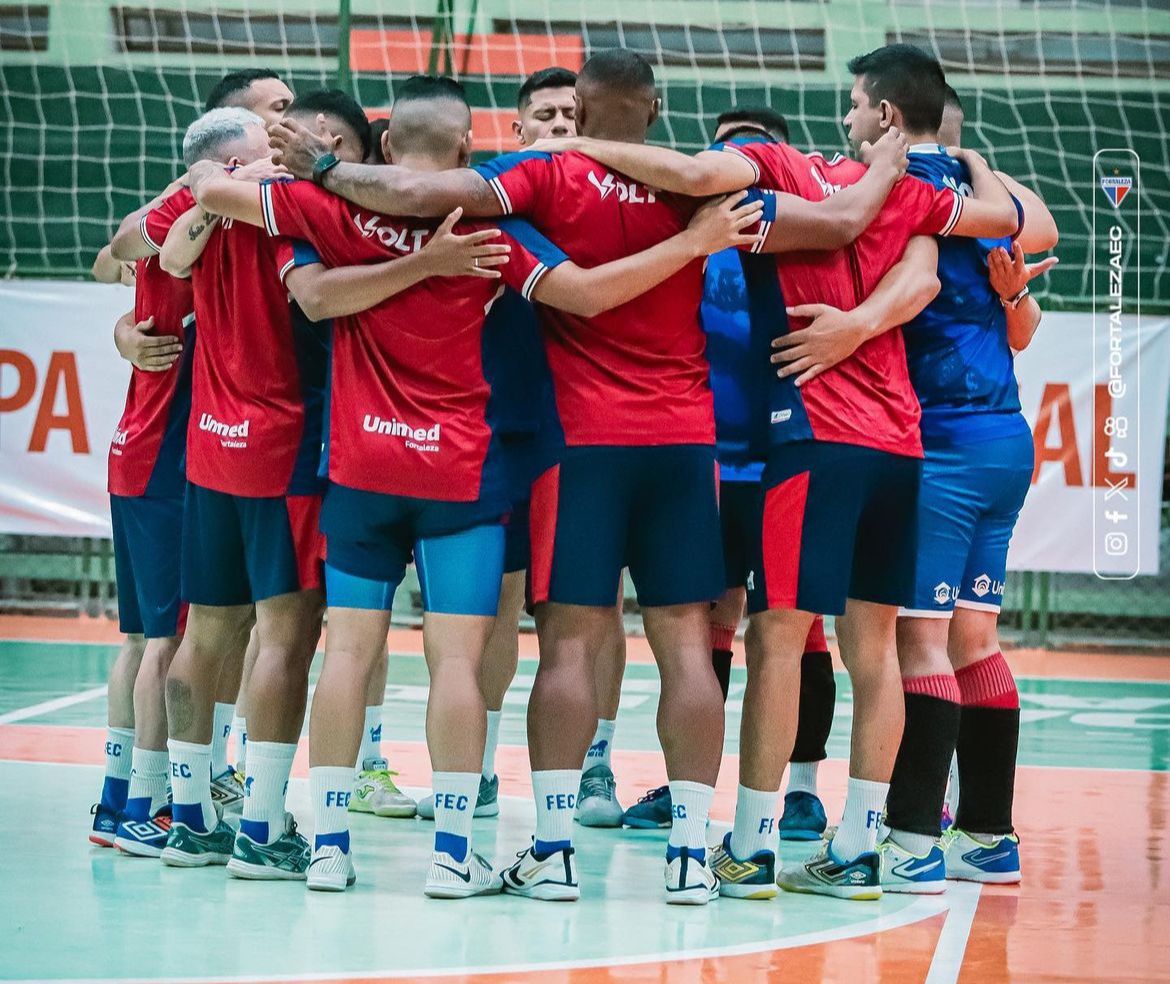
1116 187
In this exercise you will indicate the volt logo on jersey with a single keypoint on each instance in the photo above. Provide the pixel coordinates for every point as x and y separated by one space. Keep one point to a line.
404 240
626 191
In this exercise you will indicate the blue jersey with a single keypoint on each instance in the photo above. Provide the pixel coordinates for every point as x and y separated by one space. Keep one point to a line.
957 349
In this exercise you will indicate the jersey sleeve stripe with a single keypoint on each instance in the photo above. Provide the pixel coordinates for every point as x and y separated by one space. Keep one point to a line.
732 149
502 195
285 269
146 235
956 211
189 320
267 210
538 271
765 229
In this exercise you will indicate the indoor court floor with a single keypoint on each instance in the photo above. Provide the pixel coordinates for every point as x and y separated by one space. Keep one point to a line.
1092 808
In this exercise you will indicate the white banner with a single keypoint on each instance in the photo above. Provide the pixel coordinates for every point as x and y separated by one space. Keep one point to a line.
62 386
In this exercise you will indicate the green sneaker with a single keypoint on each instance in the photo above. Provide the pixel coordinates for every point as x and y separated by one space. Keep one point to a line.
487 802
187 848
375 792
285 859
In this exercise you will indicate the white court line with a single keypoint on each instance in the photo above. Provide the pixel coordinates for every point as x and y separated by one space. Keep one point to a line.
46 706
963 900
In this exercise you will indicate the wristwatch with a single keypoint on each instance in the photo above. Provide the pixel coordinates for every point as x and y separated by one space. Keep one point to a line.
1015 300
323 165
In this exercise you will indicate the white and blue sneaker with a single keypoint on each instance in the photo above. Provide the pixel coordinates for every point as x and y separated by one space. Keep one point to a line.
597 802
330 869
549 877
907 873
690 880
826 874
992 862
145 838
451 879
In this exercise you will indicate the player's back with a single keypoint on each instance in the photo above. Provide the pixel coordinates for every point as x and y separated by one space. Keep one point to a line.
636 374
957 348
147 450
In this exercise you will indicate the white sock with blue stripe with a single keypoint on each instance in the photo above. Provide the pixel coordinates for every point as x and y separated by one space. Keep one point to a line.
371 746
269 766
221 731
119 741
691 805
191 785
240 729
601 747
755 822
555 792
455 794
330 787
148 784
864 802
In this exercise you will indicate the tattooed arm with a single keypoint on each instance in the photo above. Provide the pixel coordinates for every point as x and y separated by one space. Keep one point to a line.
186 241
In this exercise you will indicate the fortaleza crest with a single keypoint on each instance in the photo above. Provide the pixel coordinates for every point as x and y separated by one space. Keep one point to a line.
1116 188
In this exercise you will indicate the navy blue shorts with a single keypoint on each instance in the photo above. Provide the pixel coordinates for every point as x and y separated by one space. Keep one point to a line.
373 536
652 509
521 458
839 521
148 543
740 509
238 550
971 497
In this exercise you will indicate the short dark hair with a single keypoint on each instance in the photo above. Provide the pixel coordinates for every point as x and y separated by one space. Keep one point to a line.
377 129
334 102
754 119
554 77
952 99
619 68
430 87
234 83
908 78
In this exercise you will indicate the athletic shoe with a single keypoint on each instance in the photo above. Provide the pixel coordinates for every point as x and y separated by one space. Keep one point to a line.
487 802
823 874
803 818
227 791
145 838
375 792
970 859
690 881
451 879
754 878
285 859
597 802
912 874
651 812
330 870
551 877
105 825
187 848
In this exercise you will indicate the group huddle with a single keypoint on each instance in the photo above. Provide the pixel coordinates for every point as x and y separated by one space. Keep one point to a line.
760 380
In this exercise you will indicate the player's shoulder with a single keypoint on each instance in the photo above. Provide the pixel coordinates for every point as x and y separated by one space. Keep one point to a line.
932 163
502 163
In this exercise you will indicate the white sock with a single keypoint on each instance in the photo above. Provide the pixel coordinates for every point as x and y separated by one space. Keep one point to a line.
601 746
371 746
148 784
555 792
221 731
489 745
919 844
692 805
857 834
455 794
240 730
330 788
269 765
191 785
802 777
755 822
119 743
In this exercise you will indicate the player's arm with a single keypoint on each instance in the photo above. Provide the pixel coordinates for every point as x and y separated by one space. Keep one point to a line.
106 270
324 292
127 244
1039 233
720 224
990 213
1009 276
186 241
221 193
834 335
135 344
385 188
710 172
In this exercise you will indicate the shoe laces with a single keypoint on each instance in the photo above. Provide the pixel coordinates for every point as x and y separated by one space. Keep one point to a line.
385 777
603 786
655 794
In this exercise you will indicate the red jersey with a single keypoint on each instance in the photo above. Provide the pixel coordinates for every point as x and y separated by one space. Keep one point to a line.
146 454
635 375
409 395
259 373
867 399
